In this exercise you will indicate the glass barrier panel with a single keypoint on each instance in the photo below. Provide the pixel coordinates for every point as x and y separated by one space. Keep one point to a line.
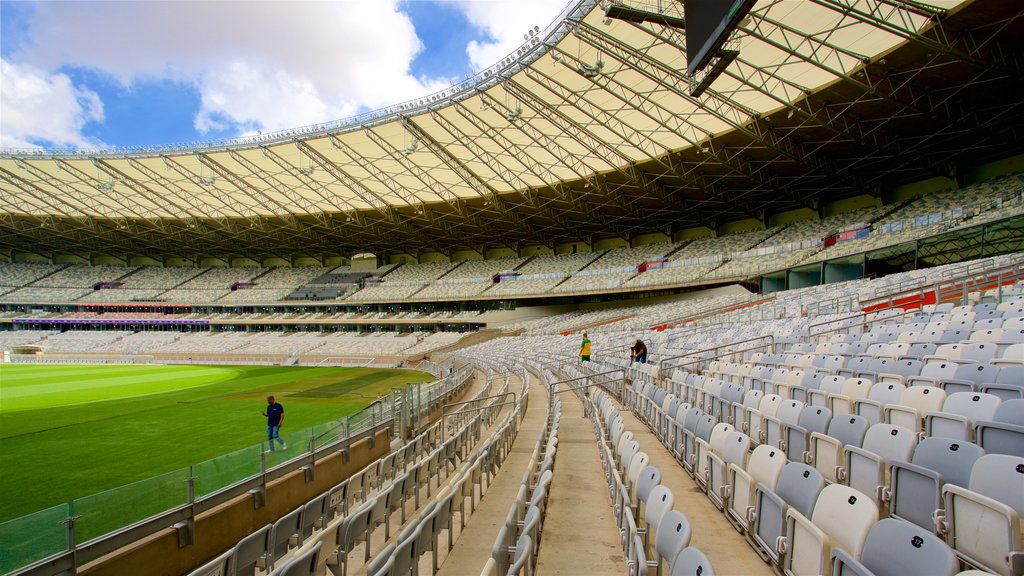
223 471
328 433
296 444
33 537
110 510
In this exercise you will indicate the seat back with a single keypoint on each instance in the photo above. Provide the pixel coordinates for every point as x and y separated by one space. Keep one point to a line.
690 562
848 429
897 547
302 565
890 442
799 486
846 515
250 550
673 534
1001 478
659 503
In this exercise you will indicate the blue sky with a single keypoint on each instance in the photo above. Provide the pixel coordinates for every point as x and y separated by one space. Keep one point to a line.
90 74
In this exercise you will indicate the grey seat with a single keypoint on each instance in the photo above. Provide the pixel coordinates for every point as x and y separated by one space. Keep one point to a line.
287 533
897 548
407 551
915 487
223 565
982 521
302 565
867 465
649 478
351 531
968 377
1000 437
811 419
253 551
382 563
1008 384
521 557
314 515
691 562
798 486
673 535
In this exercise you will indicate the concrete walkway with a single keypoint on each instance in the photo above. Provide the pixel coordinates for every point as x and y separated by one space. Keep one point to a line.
580 536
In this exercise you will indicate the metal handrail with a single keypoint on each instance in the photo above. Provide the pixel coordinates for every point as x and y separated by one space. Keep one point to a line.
863 323
661 363
551 387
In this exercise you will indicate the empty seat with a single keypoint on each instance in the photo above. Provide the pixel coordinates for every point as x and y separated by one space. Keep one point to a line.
826 450
982 522
253 551
897 548
734 453
959 412
303 564
763 467
1008 384
1004 434
968 377
812 419
915 487
841 519
691 562
914 403
673 535
797 487
881 395
867 466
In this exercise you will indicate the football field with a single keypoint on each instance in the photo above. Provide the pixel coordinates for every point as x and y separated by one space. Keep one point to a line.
69 431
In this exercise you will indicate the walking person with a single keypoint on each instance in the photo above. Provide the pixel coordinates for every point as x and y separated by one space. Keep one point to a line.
275 418
585 349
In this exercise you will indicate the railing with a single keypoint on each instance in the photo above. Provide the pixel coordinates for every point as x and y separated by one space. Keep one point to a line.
59 539
731 345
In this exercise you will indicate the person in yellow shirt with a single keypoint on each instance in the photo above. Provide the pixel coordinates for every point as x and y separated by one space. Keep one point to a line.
585 349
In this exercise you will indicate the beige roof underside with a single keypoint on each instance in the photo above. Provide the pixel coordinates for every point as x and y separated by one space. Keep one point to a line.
471 148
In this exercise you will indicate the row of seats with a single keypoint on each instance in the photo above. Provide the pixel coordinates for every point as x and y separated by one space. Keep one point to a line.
793 509
518 541
466 487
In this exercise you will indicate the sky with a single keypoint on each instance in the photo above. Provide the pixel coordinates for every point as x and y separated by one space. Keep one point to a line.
94 75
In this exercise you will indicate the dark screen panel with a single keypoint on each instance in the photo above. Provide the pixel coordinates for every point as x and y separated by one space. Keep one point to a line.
708 25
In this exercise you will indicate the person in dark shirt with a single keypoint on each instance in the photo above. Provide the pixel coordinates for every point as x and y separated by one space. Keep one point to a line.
275 418
638 351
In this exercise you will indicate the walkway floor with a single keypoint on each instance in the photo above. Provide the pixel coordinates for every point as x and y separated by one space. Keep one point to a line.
579 536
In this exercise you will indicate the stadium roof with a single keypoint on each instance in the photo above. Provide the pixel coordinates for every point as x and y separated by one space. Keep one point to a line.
588 131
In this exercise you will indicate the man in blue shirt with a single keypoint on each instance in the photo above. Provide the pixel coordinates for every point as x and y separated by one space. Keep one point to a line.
275 418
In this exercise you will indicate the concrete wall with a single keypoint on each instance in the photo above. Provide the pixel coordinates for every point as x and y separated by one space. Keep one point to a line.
222 527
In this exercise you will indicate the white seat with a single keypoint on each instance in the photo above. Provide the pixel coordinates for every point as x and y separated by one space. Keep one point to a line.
842 518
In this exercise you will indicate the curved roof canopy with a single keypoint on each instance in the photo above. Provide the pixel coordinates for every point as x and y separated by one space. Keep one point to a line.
589 130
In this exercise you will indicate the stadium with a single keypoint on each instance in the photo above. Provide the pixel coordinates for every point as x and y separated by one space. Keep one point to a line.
808 214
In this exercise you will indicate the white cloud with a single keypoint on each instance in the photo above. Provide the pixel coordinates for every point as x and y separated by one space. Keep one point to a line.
256 65
505 23
42 106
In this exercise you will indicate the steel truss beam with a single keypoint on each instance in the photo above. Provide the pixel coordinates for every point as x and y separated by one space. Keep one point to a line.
737 116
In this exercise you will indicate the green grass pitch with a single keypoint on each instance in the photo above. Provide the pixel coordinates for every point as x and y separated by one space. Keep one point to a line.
74 430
